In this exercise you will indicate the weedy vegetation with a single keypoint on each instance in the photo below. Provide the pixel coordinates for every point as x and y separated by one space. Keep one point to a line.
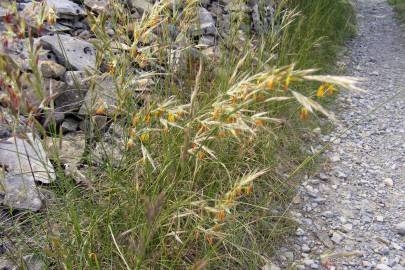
399 7
205 168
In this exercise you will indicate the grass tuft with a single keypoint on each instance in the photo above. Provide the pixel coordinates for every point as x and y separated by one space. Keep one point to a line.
200 176
399 7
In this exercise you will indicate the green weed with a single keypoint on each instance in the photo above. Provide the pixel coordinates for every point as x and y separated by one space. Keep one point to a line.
399 7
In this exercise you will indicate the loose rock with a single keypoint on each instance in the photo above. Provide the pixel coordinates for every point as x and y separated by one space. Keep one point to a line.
72 52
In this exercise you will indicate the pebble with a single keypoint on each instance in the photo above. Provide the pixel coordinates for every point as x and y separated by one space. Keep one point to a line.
300 232
379 218
337 238
305 248
400 228
389 182
308 262
382 267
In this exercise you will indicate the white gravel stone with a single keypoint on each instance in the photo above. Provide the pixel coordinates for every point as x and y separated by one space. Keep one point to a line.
389 182
382 267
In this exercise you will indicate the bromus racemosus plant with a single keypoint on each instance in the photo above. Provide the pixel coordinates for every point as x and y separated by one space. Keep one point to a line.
194 175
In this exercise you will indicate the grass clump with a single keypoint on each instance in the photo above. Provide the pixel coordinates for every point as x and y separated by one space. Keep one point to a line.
318 33
399 7
201 174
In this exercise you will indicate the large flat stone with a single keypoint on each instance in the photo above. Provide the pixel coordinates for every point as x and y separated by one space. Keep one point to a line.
20 192
69 151
49 87
26 157
73 53
97 5
104 93
141 5
207 22
65 8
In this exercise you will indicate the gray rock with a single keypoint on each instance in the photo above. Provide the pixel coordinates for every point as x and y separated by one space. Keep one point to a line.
271 266
289 256
51 69
94 126
257 23
103 94
97 5
337 238
70 125
30 262
328 214
76 79
324 238
300 232
65 8
309 262
73 97
3 12
382 267
69 150
7 265
26 157
49 88
70 100
5 131
207 22
305 248
34 262
141 5
388 182
400 228
323 176
72 52
20 192
207 41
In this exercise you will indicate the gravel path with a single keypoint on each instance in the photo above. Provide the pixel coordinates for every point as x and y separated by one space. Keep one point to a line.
355 209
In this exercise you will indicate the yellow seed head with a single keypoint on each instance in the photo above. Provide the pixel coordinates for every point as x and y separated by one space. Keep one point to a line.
135 120
331 89
220 215
171 117
216 227
270 84
304 114
147 118
209 239
234 100
158 113
200 155
259 97
197 235
321 91
249 189
217 113
130 144
144 137
102 109
259 122
51 18
134 51
287 83
132 132
222 133
231 120
238 191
